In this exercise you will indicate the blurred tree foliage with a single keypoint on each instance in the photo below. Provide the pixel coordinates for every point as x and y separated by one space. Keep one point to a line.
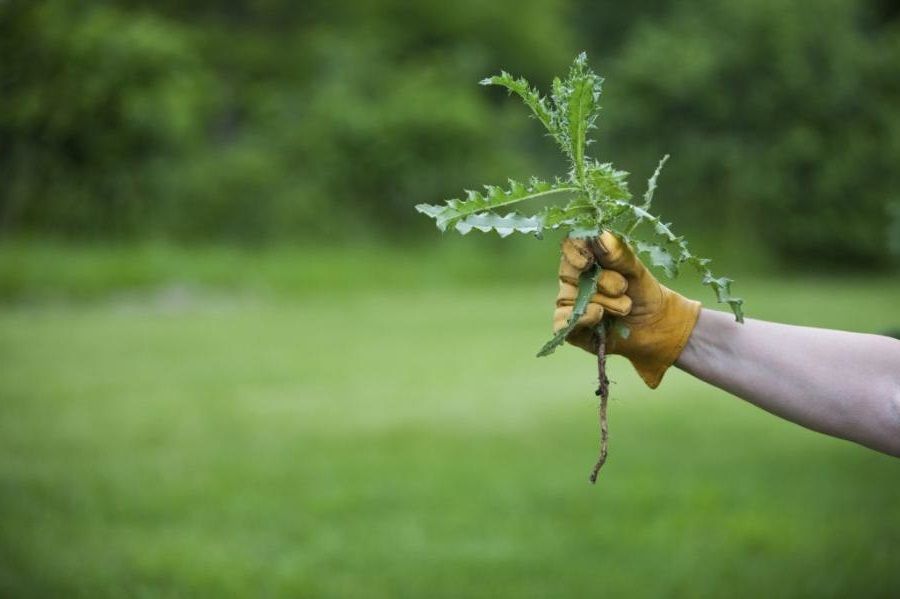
271 120
782 117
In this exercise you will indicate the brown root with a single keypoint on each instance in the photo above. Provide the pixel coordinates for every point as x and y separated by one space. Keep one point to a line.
603 393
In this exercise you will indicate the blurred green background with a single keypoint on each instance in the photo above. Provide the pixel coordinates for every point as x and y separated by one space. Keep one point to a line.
235 362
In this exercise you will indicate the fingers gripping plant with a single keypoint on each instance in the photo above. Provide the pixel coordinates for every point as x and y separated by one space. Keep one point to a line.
596 198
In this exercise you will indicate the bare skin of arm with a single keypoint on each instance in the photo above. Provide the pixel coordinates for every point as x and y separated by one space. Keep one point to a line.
839 383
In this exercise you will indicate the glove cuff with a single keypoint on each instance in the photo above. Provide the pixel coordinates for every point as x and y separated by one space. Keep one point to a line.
667 337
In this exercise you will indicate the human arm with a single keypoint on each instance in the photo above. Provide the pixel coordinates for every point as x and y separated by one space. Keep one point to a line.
839 383
843 384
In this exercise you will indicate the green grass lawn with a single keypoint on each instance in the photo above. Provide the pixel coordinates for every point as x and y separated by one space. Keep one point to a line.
406 443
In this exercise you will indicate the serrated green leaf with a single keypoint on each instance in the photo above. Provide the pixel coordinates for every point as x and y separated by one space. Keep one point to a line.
587 286
663 230
529 95
722 287
574 112
579 110
607 181
576 211
503 225
659 256
492 198
651 183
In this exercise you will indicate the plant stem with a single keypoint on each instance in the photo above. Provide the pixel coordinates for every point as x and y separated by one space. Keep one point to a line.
603 393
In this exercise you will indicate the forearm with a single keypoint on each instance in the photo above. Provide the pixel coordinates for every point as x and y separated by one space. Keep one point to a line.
839 383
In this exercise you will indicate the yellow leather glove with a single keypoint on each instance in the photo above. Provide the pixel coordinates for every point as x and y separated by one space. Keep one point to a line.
659 320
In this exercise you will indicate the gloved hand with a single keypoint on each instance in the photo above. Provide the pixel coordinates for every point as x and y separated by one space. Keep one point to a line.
659 321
